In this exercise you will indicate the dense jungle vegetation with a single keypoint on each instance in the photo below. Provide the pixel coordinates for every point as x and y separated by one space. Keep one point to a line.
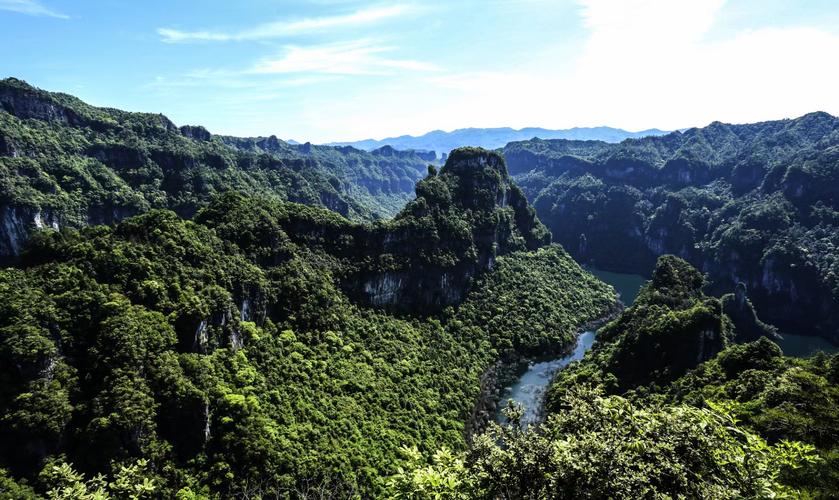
197 316
66 163
233 355
665 405
756 204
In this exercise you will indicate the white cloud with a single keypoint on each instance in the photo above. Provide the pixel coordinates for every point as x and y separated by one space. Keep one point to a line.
286 28
30 7
351 58
233 81
647 22
646 63
641 64
659 68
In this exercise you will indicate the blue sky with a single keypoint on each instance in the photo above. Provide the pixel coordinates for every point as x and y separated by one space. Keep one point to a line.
325 70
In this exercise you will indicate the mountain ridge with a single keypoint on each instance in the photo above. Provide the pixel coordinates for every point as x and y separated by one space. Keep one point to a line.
441 142
756 204
66 163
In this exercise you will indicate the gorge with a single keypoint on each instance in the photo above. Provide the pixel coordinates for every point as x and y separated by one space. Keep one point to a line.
535 375
241 317
753 204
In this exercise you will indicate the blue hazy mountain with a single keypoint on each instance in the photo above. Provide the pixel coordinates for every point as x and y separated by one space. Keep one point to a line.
493 138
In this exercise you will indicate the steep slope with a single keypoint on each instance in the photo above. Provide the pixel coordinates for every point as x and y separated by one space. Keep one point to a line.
241 354
440 142
673 348
66 163
670 328
757 204
663 406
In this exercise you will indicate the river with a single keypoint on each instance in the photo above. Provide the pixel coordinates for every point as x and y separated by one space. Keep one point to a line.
802 346
529 389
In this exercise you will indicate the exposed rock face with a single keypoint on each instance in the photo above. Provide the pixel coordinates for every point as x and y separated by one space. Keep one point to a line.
747 326
17 224
196 132
18 102
421 261
385 289
390 152
98 165
335 203
7 147
710 343
118 155
429 156
204 331
461 220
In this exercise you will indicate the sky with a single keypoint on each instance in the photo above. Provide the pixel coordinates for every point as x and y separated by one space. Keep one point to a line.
340 70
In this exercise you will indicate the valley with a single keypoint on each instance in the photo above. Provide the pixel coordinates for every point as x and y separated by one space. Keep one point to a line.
535 375
226 317
436 250
752 204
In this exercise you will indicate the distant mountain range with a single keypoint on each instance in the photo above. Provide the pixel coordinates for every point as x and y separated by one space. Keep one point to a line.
494 138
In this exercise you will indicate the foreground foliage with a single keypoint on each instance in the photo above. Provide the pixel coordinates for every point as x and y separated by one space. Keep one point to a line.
610 447
673 348
778 397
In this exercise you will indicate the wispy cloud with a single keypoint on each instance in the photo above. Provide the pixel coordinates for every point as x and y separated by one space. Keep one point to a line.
232 80
30 7
239 90
360 57
285 28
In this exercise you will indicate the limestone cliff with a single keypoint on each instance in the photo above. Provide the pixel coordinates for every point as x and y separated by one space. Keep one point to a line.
756 204
424 259
76 165
460 221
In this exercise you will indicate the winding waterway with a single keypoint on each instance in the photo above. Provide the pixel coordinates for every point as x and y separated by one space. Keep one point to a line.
529 389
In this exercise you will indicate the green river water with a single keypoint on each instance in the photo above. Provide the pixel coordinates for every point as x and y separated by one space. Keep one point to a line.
529 389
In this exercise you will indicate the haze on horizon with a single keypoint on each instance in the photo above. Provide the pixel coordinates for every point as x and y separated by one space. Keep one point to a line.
340 70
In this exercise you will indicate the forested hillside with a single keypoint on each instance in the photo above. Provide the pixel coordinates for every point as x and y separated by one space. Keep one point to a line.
66 163
757 204
188 316
665 405
267 347
778 398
